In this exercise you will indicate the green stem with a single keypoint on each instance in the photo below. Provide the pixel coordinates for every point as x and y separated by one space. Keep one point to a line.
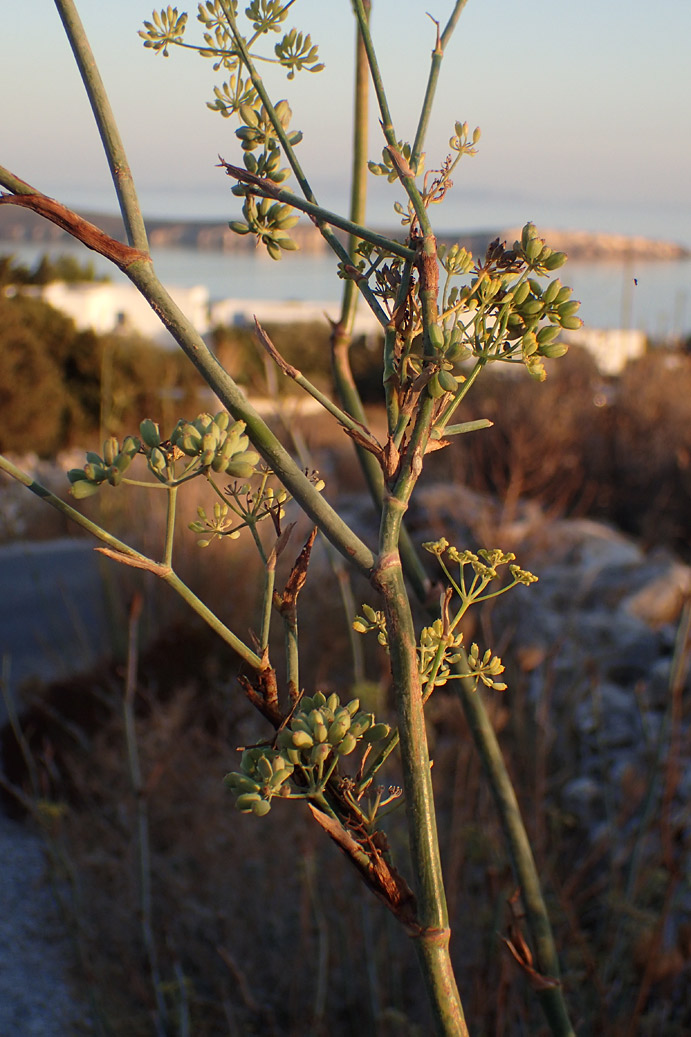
406 177
359 173
266 189
261 436
13 184
170 525
107 127
290 622
546 958
268 600
298 377
139 561
437 57
432 938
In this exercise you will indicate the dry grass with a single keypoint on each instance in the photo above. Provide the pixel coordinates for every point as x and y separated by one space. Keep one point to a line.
260 926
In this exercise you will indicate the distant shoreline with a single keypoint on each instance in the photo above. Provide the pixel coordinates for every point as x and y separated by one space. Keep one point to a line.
19 226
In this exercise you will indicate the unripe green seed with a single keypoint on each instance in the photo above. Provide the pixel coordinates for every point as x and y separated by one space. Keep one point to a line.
301 740
338 730
553 350
376 733
434 387
111 448
150 433
567 309
347 745
447 381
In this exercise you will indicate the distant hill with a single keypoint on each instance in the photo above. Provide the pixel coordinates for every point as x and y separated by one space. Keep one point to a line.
20 226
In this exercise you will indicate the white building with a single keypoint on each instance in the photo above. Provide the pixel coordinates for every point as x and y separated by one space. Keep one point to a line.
106 307
241 312
611 348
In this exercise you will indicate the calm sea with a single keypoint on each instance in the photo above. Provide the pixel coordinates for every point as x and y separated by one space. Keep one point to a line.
653 297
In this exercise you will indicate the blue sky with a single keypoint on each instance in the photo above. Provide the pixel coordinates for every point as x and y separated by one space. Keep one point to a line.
584 107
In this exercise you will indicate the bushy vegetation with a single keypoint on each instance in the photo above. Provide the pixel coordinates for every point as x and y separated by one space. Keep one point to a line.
613 449
59 385
65 267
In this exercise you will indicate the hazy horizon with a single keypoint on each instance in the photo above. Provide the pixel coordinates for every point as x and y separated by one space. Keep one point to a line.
583 109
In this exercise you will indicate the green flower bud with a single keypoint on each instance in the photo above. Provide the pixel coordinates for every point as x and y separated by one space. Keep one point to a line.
554 261
567 309
157 460
338 730
434 387
111 448
301 740
376 733
521 293
240 782
447 381
360 724
529 343
84 488
347 745
320 753
554 350
264 768
547 335
533 249
150 433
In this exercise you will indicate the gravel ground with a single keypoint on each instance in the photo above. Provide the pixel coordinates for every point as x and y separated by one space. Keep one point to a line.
35 955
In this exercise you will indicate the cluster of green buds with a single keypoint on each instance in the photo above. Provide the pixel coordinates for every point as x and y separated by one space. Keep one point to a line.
513 318
322 726
166 29
215 442
455 259
449 349
485 669
107 469
269 220
264 774
212 442
296 52
387 168
306 753
232 95
371 620
258 130
436 655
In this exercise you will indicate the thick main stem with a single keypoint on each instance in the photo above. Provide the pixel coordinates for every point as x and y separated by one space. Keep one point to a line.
433 934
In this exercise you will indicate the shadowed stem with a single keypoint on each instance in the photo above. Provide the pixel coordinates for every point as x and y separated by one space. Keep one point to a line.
142 813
